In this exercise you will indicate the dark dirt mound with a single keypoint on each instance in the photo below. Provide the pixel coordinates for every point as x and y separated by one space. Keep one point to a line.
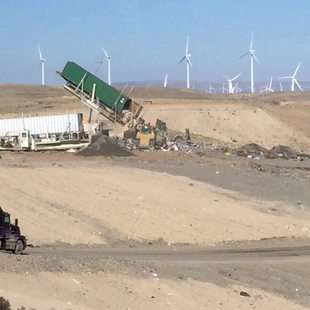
252 149
282 151
104 145
279 151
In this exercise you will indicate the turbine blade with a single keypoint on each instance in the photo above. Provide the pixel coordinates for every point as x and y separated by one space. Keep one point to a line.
105 52
236 77
40 54
252 39
270 83
284 77
248 52
182 59
255 58
296 69
186 50
295 81
189 61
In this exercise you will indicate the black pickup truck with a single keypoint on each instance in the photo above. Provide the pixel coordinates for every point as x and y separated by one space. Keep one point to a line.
10 237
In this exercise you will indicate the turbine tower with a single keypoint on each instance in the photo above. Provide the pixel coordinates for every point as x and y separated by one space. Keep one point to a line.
251 52
229 81
293 79
166 80
109 65
211 89
224 90
42 61
188 63
281 87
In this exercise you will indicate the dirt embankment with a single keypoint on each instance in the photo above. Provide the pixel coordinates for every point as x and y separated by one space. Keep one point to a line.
93 204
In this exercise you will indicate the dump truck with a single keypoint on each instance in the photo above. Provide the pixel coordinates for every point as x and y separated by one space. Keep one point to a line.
10 236
98 95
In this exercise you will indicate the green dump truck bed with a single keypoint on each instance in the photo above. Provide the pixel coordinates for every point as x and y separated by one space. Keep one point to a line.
106 94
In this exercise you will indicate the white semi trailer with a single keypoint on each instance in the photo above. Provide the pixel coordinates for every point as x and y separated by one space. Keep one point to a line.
49 132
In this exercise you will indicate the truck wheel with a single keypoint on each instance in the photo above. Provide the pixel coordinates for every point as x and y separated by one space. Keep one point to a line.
19 247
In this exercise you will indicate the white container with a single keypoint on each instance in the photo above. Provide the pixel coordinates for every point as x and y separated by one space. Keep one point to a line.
40 125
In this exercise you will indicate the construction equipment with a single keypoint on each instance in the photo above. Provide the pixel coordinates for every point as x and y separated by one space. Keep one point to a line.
147 135
99 96
10 237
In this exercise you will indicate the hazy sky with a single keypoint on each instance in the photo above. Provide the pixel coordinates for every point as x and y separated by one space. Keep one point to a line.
146 38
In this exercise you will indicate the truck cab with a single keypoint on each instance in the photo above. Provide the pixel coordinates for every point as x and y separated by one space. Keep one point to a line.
25 140
10 237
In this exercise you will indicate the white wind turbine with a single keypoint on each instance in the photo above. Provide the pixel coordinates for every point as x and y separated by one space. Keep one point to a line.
251 52
224 89
188 63
229 81
166 80
281 87
268 87
211 89
109 65
42 61
236 88
293 79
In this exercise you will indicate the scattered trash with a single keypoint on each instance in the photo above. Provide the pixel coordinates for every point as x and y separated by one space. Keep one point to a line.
252 150
245 294
282 151
256 151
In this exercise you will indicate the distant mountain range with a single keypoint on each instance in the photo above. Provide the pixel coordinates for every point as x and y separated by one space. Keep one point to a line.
219 87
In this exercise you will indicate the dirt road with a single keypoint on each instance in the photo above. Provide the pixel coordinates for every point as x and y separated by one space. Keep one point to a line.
180 253
279 267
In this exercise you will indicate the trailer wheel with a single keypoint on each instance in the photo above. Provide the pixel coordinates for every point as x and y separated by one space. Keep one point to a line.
19 247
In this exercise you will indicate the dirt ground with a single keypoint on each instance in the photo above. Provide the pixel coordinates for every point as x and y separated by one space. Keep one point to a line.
91 218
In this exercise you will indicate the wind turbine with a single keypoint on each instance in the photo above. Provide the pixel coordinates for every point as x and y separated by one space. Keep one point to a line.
251 52
224 89
229 81
236 88
293 79
188 63
166 80
42 61
268 87
281 87
211 88
109 65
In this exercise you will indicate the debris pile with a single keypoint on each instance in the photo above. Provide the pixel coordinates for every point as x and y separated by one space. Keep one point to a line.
252 149
104 145
149 138
283 151
256 151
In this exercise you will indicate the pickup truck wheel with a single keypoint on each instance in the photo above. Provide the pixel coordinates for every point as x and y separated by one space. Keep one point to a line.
19 247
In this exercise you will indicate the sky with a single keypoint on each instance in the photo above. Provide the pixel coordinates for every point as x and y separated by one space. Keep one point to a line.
147 38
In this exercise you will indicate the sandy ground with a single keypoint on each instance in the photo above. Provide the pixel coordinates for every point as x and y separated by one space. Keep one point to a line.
47 291
88 204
